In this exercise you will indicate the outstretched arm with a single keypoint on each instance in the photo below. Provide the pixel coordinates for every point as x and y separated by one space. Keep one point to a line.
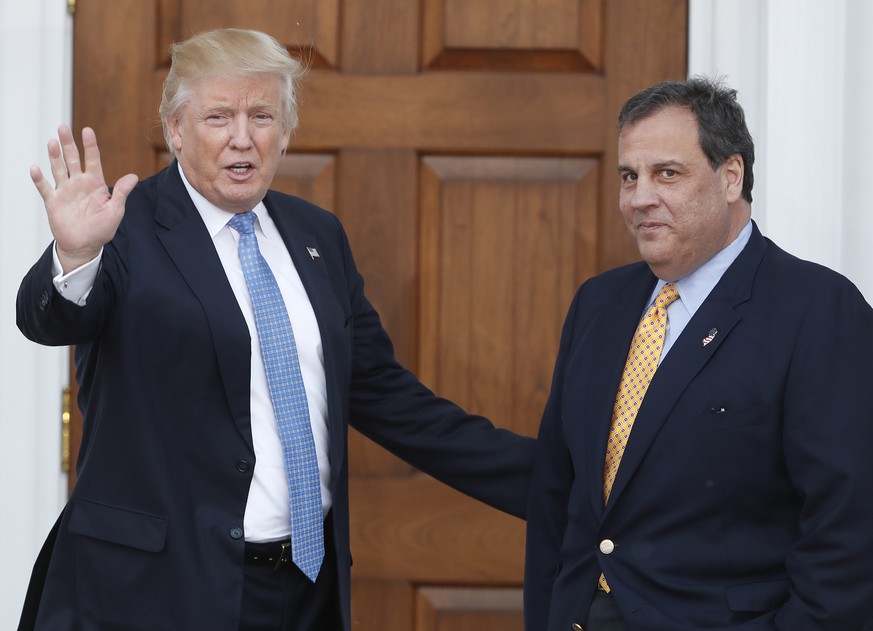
82 212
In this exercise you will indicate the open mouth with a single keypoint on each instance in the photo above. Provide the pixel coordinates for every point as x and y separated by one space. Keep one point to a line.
241 167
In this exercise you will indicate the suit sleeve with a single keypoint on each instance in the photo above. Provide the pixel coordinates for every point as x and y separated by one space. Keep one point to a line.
828 437
44 316
389 405
549 495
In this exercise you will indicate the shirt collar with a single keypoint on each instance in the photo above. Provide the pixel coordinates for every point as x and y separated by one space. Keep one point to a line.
694 288
215 218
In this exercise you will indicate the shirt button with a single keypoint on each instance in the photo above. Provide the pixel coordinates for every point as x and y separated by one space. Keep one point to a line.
607 546
236 533
242 466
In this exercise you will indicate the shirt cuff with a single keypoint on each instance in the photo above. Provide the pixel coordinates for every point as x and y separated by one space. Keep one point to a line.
76 285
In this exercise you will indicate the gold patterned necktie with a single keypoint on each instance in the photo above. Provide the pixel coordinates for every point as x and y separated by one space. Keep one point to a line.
642 361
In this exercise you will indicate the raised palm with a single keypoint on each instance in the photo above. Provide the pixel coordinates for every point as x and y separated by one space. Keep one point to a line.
83 215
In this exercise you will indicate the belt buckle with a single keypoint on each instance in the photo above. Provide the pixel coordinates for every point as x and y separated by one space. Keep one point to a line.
283 555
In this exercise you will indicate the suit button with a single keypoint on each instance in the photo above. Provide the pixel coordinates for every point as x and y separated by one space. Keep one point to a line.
242 466
577 627
236 533
607 546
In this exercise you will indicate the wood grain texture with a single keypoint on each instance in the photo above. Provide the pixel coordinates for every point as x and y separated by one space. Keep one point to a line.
455 112
466 609
538 35
380 605
105 96
646 42
500 238
514 24
377 199
385 39
416 529
311 176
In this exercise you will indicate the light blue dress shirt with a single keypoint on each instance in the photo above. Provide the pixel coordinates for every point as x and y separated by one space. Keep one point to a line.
694 288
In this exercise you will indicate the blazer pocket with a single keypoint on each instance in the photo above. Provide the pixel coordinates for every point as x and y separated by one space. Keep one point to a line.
758 596
118 525
721 418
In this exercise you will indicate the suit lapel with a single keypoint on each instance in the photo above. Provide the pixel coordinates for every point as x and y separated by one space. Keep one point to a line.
692 350
617 321
187 242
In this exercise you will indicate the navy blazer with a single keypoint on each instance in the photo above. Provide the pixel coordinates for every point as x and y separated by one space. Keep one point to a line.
151 537
744 499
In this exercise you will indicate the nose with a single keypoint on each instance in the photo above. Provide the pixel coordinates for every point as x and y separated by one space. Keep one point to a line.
643 194
240 133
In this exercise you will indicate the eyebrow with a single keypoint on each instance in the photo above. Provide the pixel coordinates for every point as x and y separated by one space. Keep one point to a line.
265 106
227 107
655 167
211 109
668 163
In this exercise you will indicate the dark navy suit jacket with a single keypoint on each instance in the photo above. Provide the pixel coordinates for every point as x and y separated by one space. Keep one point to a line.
744 499
152 535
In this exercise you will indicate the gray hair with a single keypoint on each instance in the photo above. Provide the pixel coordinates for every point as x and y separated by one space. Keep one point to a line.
720 119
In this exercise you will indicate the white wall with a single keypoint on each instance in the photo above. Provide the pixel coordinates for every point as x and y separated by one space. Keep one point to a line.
35 38
802 71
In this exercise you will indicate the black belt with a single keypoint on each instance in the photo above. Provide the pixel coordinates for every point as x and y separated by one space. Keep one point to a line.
276 554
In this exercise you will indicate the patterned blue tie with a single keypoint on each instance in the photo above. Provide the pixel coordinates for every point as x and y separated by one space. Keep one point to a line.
289 400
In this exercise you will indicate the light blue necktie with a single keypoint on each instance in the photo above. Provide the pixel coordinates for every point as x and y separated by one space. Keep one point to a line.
289 400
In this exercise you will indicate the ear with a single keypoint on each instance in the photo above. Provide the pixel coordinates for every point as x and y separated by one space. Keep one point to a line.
175 133
733 174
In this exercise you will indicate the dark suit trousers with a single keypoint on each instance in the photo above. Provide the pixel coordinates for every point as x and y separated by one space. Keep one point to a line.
604 615
285 600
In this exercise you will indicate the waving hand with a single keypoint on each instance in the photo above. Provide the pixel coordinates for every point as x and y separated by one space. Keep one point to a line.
82 213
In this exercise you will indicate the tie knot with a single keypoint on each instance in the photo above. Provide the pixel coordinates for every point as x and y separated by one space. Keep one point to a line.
244 223
666 296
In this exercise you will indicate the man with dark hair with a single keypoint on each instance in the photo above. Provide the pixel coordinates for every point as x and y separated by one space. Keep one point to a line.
704 459
224 345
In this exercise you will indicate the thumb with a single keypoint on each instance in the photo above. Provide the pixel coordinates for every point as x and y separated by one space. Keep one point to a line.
123 187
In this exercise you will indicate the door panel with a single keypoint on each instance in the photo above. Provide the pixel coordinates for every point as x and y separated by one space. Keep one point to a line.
469 149
468 609
504 242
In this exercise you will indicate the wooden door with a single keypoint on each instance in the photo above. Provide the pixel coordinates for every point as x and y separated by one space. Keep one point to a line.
469 147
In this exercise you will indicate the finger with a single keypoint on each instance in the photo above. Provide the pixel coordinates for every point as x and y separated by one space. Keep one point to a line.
92 153
42 186
123 187
56 162
70 151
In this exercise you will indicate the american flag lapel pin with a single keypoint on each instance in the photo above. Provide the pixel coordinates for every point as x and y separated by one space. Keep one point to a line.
710 336
313 253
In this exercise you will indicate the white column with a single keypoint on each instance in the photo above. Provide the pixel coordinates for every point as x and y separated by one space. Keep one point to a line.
35 70
802 69
857 232
726 39
805 118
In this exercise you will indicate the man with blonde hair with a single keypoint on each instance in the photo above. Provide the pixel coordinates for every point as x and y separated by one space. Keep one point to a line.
223 345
